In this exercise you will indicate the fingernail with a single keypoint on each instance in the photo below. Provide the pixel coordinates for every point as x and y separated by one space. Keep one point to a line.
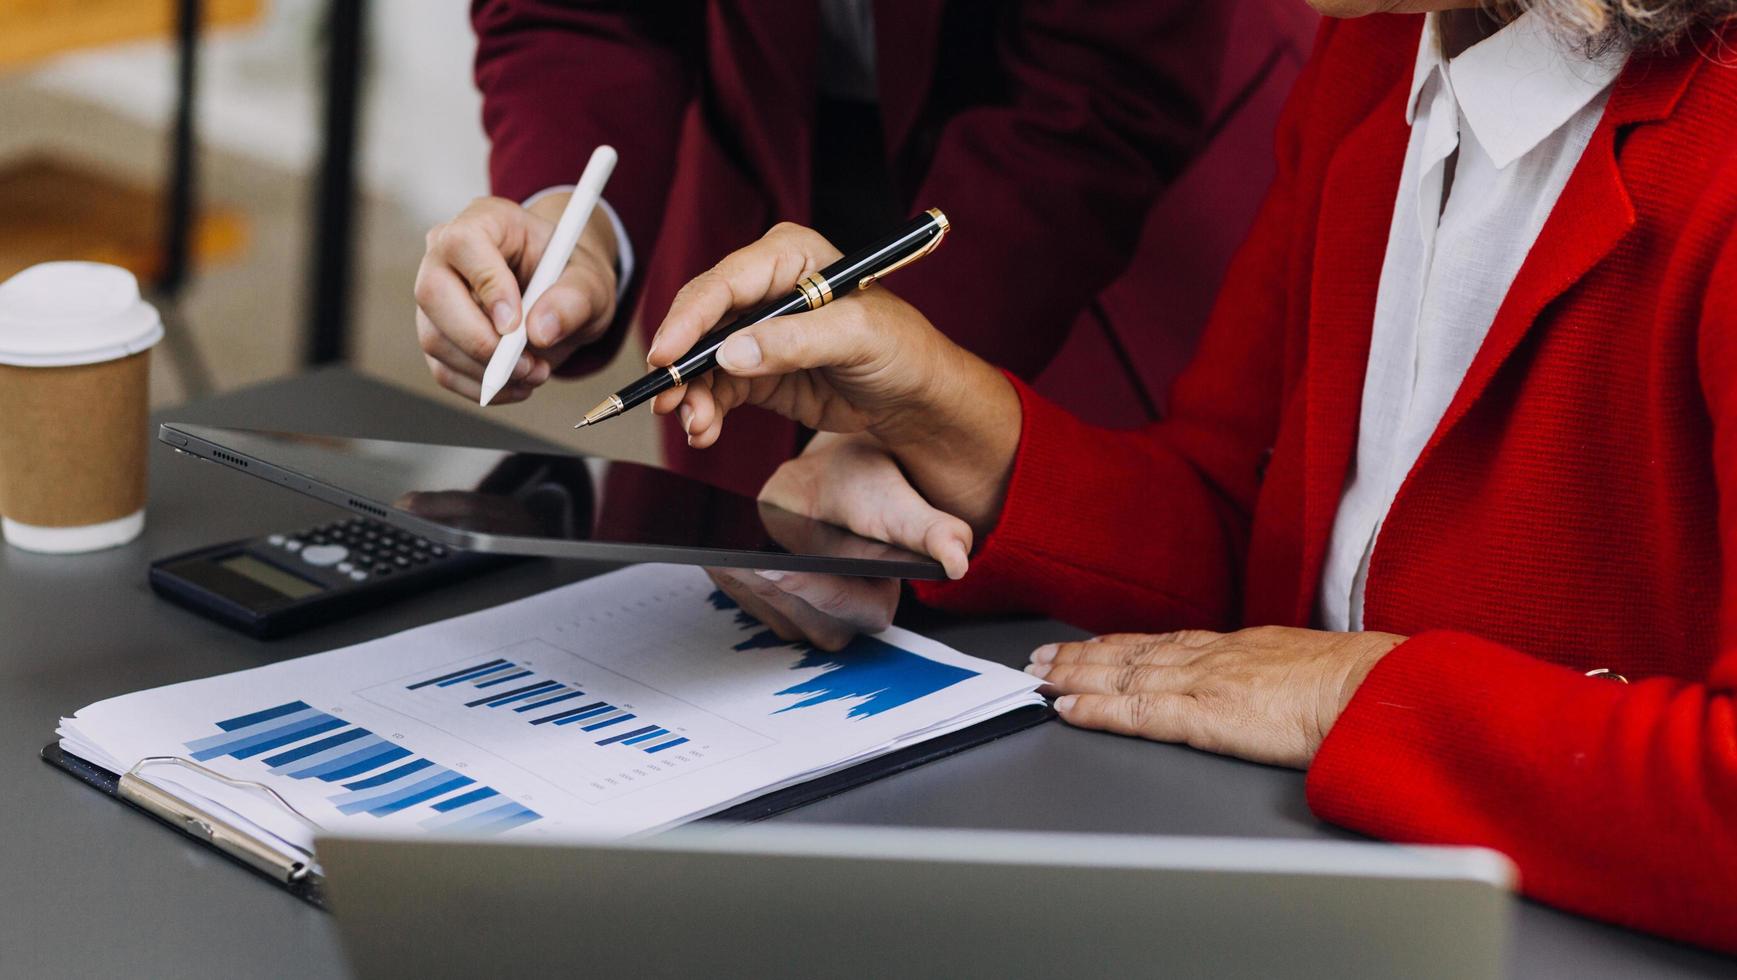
1065 703
544 328
523 368
960 560
502 312
739 353
1038 670
1043 654
769 575
687 414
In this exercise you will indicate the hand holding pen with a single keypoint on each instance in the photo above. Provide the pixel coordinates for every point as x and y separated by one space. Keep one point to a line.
872 364
805 275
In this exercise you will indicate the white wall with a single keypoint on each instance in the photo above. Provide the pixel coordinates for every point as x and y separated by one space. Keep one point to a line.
260 96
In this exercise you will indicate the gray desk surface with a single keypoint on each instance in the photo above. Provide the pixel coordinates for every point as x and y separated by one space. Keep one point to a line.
89 888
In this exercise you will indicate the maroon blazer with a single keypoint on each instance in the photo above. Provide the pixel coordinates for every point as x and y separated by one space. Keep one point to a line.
1047 174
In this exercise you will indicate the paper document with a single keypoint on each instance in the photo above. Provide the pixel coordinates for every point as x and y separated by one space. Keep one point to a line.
622 704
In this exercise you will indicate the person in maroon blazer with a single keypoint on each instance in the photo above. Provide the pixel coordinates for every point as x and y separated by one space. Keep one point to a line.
1028 123
1445 509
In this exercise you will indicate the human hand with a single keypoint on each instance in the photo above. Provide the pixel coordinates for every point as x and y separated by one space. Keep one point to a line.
1268 694
850 481
468 292
868 362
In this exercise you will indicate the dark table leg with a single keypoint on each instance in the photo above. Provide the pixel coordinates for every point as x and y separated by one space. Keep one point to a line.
333 241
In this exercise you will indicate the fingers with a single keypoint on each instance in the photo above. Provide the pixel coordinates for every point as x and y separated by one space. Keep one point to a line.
852 482
737 587
1160 717
868 493
578 307
473 245
470 388
832 336
1114 679
752 275
437 347
864 604
1186 638
702 403
818 628
446 303
1152 649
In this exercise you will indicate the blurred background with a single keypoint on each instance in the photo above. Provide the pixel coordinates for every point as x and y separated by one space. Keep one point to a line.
275 197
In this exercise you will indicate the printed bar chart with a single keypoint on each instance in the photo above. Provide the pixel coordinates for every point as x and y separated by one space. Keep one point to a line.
378 777
500 683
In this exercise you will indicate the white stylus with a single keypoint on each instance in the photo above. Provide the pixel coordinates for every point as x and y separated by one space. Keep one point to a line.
561 244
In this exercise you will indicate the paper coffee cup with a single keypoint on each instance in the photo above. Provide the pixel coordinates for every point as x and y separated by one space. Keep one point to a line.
75 341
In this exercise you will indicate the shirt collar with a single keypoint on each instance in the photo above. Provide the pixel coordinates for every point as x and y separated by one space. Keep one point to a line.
1516 86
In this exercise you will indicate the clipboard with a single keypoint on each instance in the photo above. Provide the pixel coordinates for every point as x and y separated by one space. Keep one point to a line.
300 880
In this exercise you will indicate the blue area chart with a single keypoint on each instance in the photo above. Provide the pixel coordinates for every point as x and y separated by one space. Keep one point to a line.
873 673
377 777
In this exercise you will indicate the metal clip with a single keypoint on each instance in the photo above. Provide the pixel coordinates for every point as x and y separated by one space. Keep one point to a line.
934 243
206 826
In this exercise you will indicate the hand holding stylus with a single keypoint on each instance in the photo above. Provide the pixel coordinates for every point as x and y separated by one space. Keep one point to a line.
468 291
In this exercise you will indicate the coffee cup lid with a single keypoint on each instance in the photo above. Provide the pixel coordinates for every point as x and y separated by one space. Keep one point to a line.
59 314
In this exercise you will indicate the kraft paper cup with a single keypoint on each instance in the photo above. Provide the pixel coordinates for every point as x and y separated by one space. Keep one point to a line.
75 341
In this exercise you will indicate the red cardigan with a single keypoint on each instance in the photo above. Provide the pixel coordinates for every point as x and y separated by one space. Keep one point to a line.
1576 508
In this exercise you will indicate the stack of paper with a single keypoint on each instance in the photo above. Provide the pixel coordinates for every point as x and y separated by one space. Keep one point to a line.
623 704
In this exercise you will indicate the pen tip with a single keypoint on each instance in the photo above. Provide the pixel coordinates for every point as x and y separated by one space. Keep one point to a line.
581 424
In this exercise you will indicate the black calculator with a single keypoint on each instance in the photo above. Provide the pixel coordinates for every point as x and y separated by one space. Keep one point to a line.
283 583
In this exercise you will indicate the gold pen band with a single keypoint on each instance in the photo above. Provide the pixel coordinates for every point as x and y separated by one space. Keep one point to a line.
816 291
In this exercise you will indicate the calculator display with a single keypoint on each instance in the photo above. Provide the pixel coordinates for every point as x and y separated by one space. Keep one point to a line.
276 579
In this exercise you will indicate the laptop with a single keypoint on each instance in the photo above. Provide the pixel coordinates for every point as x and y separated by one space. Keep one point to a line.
804 901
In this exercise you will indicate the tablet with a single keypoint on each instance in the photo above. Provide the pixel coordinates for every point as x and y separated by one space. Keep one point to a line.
554 505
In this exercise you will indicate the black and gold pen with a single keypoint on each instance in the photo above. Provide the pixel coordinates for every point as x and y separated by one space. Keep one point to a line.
858 270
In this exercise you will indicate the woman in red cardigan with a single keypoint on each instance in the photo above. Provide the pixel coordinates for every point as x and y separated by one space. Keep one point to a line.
1458 455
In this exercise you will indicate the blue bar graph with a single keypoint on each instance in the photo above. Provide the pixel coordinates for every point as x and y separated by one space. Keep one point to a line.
501 683
579 716
384 778
582 710
624 736
534 705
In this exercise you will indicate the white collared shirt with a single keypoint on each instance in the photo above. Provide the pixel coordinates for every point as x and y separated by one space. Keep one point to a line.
1519 108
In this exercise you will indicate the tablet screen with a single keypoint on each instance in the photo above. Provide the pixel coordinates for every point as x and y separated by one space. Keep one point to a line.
526 502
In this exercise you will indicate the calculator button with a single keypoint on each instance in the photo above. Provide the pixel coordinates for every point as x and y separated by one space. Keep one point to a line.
324 554
382 569
419 558
358 576
293 545
275 540
346 567
401 561
439 552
